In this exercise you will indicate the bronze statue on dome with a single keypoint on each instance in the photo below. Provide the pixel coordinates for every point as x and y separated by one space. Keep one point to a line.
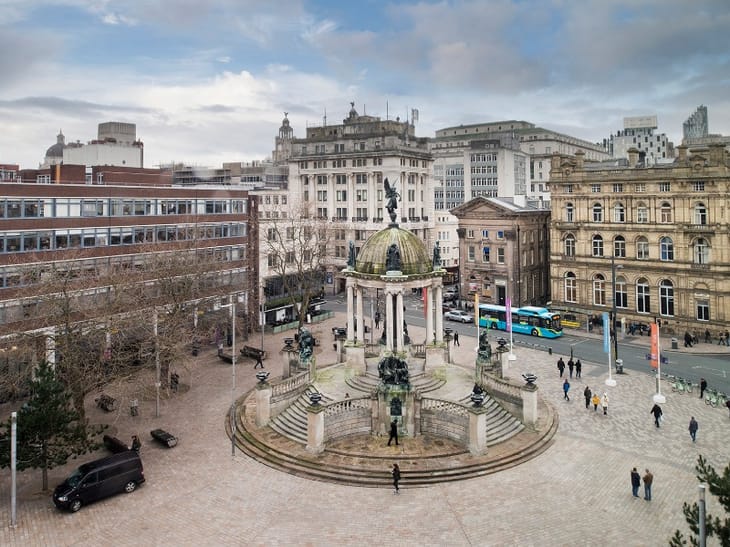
392 195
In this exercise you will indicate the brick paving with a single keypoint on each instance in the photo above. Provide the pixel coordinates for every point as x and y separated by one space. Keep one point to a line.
578 492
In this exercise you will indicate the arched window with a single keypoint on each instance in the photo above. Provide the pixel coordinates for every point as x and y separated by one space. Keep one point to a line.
597 246
642 213
621 293
665 213
619 213
642 248
571 287
666 298
619 247
700 214
701 251
569 212
643 301
599 290
570 245
597 212
666 249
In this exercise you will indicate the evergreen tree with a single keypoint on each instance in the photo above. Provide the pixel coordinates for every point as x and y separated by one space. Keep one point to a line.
49 429
714 526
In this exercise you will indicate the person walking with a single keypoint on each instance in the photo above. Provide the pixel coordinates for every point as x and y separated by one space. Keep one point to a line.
604 403
657 411
571 366
566 388
396 477
587 394
393 432
259 361
703 387
456 339
687 339
596 400
578 368
708 336
648 480
377 319
635 482
561 366
136 444
693 427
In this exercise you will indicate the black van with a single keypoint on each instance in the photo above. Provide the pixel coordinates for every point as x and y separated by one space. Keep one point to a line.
98 479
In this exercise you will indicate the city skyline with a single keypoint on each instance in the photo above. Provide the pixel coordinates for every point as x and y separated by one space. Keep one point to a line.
208 82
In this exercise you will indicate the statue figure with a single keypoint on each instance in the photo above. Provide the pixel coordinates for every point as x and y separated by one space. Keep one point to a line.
392 196
436 256
306 345
351 256
484 347
392 262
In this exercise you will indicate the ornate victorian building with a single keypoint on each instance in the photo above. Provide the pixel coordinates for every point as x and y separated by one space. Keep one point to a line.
663 228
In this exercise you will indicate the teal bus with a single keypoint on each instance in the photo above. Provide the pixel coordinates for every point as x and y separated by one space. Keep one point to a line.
532 320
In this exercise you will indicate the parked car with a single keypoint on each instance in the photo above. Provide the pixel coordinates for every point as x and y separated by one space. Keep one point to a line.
98 479
450 295
458 315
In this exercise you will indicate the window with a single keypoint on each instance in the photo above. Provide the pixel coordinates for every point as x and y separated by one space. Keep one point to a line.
500 256
472 253
470 234
341 195
271 234
618 188
619 247
666 298
485 254
619 213
642 213
597 246
666 249
665 213
703 310
596 188
699 186
569 212
642 248
701 251
621 296
599 290
500 234
273 260
485 234
643 304
568 188
321 195
570 245
665 187
361 195
640 187
700 214
571 287
597 212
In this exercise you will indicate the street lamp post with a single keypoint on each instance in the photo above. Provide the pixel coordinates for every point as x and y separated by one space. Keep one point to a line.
614 267
232 304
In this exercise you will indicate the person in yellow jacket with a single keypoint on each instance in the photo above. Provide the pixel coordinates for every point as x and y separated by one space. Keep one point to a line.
596 400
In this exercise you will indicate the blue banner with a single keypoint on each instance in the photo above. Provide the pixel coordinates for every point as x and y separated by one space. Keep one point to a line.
606 333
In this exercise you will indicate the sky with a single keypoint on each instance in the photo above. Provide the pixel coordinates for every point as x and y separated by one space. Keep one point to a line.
208 81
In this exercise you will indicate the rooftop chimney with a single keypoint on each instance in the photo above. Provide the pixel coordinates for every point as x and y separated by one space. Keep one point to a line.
633 157
682 150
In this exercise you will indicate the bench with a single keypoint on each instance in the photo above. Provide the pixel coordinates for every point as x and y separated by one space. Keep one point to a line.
227 357
105 402
250 351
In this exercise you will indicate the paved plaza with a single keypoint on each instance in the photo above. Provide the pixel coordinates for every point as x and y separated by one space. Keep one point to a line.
576 493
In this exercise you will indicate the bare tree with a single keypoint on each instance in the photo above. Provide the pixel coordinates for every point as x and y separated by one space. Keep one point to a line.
297 249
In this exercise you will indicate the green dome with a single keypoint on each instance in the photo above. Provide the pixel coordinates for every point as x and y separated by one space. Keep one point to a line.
413 254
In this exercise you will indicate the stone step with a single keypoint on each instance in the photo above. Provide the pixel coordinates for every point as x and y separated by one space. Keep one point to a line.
368 384
292 422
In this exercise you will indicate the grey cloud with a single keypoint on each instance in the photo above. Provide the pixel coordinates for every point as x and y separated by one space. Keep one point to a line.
69 107
216 109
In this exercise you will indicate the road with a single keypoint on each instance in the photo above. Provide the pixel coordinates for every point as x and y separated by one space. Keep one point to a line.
715 368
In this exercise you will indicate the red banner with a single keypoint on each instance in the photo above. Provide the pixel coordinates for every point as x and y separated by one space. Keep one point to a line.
654 355
425 302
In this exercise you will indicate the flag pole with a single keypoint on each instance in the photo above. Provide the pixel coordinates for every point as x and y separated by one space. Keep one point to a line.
658 397
607 347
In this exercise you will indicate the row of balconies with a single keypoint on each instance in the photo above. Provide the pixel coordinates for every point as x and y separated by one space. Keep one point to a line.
704 228
365 219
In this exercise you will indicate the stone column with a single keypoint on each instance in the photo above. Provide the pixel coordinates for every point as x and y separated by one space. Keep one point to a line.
315 429
51 347
399 321
529 405
417 401
350 316
504 357
439 315
429 316
360 319
389 321
477 430
263 403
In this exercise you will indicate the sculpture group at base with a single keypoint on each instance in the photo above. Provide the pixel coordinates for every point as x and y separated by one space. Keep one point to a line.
393 370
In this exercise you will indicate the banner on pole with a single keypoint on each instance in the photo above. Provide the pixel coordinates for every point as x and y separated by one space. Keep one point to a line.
654 355
508 313
606 333
476 309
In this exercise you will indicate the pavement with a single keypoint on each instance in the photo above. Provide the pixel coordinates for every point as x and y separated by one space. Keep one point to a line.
577 492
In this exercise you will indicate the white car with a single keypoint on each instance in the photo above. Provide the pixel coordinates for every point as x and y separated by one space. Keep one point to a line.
458 315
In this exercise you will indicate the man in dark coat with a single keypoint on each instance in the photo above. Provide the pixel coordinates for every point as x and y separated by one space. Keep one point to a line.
571 365
703 387
561 366
393 432
587 394
657 411
578 368
635 482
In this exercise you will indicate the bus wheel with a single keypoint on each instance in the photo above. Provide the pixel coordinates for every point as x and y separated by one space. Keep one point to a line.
534 332
493 326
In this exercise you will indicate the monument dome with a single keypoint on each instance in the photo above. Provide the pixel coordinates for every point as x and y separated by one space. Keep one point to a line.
413 254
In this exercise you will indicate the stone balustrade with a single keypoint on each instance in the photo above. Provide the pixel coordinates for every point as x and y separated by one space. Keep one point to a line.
347 417
445 419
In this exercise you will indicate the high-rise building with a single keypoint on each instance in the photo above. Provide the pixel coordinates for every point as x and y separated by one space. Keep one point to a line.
696 126
639 133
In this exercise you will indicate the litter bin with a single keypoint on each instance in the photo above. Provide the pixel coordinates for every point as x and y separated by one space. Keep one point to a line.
675 344
619 366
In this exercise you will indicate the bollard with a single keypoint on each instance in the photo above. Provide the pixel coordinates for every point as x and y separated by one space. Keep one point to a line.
550 351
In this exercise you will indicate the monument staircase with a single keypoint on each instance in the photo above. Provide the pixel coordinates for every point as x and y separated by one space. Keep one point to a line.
365 460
